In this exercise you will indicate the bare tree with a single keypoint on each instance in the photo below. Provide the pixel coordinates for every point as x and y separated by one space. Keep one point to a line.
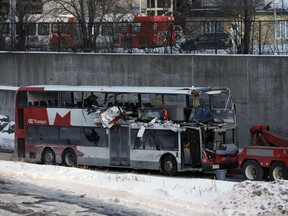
86 12
241 15
19 21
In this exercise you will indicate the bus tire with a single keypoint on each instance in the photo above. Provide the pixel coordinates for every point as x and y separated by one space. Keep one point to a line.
252 171
48 156
278 170
69 158
168 165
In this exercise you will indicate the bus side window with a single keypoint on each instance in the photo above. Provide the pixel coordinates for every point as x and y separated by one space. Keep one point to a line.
43 28
67 99
91 135
42 103
31 29
22 98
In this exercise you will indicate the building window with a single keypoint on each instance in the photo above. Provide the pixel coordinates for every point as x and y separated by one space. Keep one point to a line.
211 27
281 29
159 7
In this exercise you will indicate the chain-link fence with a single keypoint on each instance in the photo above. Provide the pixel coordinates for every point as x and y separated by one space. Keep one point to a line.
221 37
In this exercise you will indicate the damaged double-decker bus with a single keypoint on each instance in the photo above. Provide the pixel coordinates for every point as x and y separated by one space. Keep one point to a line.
170 129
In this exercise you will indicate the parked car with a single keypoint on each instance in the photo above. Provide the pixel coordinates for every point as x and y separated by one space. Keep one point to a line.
179 32
4 120
208 41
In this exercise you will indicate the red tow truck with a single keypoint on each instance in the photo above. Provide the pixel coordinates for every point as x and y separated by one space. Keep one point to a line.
267 159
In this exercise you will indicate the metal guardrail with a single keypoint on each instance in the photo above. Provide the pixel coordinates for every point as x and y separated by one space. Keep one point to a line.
266 37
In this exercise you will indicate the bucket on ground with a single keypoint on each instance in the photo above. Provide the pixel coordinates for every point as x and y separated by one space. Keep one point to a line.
220 174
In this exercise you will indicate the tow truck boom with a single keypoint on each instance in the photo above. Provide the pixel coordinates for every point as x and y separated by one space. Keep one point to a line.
266 138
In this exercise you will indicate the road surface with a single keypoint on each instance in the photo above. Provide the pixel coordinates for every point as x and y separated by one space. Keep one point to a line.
18 198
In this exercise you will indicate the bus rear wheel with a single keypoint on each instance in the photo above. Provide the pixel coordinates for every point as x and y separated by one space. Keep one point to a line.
168 166
69 158
252 171
278 170
48 156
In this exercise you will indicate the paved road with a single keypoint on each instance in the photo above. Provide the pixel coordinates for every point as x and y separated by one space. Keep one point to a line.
18 198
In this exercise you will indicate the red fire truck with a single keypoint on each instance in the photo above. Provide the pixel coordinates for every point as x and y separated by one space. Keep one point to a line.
40 32
62 32
146 32
267 159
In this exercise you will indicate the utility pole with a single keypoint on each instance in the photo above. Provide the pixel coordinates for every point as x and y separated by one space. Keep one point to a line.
275 24
12 19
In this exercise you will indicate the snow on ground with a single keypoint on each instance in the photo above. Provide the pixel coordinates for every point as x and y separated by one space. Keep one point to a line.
159 194
7 137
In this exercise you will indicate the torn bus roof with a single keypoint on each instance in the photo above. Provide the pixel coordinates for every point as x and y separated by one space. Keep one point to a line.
127 89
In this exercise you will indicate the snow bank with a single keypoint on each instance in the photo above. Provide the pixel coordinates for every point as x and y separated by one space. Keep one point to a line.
159 194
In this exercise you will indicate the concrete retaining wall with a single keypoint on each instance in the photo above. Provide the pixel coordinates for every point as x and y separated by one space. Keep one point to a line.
258 83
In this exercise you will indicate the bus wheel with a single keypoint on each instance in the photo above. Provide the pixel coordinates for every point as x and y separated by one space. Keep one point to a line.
278 170
48 156
168 166
252 171
69 158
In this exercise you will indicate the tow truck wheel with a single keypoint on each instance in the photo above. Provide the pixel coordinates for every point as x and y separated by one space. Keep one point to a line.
168 166
69 158
278 170
252 171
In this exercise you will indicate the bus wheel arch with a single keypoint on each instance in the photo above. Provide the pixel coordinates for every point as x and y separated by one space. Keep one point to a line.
48 156
252 171
168 165
278 170
69 158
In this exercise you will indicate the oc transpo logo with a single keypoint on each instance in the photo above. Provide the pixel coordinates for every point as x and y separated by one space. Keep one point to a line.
37 121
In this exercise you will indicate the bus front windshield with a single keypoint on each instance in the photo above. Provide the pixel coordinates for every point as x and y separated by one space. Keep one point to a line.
214 107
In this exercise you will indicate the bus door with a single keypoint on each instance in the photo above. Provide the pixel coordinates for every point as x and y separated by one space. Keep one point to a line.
191 148
119 146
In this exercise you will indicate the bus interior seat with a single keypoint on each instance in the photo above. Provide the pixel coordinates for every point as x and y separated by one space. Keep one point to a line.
121 104
55 102
148 104
132 106
127 107
110 104
79 104
187 113
49 103
66 104
36 103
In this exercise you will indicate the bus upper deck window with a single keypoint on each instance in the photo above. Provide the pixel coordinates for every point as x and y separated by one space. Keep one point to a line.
22 98
31 29
56 27
43 29
135 27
